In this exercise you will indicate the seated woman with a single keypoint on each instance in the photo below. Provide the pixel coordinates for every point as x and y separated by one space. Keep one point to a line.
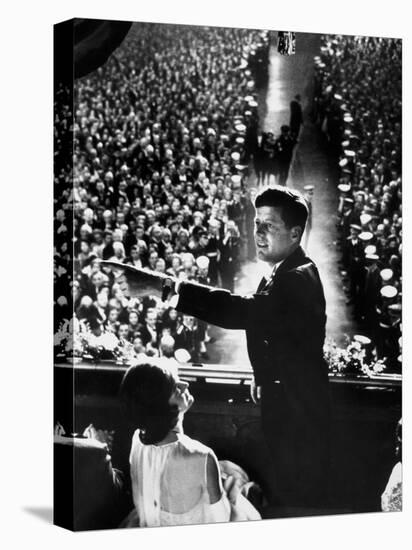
175 479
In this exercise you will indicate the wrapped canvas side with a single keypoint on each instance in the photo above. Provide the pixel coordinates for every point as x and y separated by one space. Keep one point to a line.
63 271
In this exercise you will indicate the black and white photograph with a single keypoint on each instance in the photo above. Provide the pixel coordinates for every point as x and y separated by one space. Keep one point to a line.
205 318
227 274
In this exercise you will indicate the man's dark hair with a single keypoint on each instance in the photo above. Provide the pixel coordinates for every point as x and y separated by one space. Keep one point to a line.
294 209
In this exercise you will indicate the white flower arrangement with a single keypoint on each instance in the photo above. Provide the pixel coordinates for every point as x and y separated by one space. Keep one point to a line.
352 359
74 337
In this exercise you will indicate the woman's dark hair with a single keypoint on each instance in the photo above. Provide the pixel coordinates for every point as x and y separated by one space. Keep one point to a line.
293 205
145 391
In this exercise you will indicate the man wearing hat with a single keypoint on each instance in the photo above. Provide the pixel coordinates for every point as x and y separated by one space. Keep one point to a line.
345 220
207 246
284 322
344 188
388 326
371 291
355 261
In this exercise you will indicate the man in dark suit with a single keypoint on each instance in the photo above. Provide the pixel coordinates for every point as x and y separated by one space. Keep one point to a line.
284 322
284 152
189 337
296 116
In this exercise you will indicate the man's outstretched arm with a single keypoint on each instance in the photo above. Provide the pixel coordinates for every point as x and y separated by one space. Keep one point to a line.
216 306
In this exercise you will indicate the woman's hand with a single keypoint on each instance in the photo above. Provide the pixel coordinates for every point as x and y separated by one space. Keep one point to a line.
135 282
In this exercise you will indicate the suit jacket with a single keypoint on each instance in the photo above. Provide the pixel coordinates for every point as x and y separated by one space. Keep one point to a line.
285 329
146 335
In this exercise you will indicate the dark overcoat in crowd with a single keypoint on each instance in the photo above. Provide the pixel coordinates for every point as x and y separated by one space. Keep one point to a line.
284 153
354 253
285 329
296 117
146 335
373 285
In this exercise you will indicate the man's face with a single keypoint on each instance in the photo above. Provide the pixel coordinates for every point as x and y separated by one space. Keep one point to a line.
95 266
97 279
123 331
189 321
98 237
113 315
102 299
151 319
133 318
156 232
274 241
153 258
160 265
138 345
139 232
204 240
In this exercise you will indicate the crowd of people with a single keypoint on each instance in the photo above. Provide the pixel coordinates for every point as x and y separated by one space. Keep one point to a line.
163 135
358 105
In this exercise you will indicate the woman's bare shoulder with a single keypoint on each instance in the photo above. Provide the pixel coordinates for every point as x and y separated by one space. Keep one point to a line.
193 447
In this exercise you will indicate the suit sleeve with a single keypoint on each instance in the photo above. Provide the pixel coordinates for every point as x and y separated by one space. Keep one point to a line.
213 305
232 311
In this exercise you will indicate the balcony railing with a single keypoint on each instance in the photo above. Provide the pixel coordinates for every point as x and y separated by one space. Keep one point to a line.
229 374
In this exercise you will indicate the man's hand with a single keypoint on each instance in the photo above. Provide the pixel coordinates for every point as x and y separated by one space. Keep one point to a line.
255 392
104 436
240 508
134 282
231 486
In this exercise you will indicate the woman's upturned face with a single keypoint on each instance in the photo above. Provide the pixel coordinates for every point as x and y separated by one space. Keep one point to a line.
181 397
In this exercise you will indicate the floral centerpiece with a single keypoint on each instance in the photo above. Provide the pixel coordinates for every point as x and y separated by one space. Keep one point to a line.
75 341
353 359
